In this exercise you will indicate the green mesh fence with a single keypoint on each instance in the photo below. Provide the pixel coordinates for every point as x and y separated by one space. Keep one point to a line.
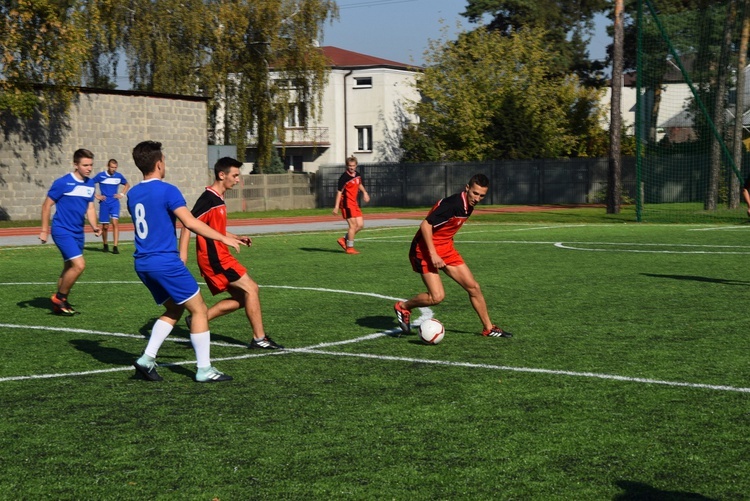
686 107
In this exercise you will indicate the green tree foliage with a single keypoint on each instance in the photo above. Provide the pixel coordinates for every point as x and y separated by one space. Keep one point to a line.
568 25
43 43
491 96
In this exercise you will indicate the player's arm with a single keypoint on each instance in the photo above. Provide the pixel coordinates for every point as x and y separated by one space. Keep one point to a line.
426 229
46 211
125 189
746 196
366 196
197 226
337 202
184 244
91 216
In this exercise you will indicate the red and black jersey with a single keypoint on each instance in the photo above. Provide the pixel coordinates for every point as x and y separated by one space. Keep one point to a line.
213 257
446 217
349 187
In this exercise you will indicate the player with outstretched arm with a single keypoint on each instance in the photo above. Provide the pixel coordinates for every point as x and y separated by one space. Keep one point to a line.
154 206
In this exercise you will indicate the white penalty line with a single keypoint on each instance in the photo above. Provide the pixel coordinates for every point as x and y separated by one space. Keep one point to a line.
316 349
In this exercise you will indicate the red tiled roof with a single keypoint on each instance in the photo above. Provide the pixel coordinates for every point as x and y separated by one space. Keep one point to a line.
341 58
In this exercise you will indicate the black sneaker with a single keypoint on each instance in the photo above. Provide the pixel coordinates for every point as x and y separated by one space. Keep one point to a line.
211 375
496 331
105 248
114 250
403 316
264 344
147 371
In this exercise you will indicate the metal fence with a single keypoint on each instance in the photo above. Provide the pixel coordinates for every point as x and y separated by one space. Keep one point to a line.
520 182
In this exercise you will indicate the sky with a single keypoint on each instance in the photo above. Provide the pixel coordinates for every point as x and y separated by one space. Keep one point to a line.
399 30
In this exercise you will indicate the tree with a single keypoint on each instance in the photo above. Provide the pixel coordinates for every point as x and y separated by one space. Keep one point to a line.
568 25
490 96
44 46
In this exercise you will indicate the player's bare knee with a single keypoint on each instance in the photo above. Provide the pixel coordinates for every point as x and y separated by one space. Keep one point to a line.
436 298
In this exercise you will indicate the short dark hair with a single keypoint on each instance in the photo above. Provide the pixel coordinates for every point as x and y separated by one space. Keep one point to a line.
146 154
82 153
352 158
112 161
479 180
224 164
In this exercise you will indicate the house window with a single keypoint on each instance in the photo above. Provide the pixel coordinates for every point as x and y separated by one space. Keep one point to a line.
296 115
364 138
362 82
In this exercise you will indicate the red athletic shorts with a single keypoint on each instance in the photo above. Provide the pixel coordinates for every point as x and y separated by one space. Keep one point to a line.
350 212
219 282
420 262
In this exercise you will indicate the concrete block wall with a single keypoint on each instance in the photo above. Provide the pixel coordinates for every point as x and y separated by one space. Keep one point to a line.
110 124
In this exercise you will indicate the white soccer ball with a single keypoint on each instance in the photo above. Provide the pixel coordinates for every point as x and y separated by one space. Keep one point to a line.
431 331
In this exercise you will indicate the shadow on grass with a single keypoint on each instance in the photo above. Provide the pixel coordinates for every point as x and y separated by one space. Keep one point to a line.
117 357
320 249
42 303
377 322
695 278
637 491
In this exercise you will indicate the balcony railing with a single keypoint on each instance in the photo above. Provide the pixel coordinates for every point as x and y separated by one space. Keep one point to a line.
299 136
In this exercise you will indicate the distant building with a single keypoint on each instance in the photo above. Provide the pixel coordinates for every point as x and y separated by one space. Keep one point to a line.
363 109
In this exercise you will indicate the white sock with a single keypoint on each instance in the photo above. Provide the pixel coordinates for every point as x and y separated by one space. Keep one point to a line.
159 333
349 243
202 345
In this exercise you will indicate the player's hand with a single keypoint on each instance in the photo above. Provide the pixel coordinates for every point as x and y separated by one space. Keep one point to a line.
246 241
98 231
43 237
366 198
233 242
438 263
748 212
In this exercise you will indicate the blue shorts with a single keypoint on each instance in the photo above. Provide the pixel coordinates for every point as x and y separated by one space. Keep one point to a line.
109 208
176 283
70 244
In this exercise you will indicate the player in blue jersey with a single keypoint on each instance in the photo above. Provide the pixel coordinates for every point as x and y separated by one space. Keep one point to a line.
73 195
154 206
109 182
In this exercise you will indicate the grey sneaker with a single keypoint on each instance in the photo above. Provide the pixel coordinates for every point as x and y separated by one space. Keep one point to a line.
264 344
211 375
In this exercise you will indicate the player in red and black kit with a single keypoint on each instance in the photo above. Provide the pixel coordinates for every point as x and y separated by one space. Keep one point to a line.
432 250
350 184
218 266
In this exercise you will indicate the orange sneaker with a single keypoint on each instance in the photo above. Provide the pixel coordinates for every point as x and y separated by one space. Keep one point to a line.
62 307
351 250
342 242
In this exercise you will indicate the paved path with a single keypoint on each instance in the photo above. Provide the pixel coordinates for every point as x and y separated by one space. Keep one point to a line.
14 237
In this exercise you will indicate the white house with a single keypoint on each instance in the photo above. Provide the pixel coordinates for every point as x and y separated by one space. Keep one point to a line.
363 107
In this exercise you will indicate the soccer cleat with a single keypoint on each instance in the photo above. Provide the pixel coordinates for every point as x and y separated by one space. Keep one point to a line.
264 344
62 307
105 248
211 375
188 321
114 250
147 370
403 316
351 250
342 242
496 332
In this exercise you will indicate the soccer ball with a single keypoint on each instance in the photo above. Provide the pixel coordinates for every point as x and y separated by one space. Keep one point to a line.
431 331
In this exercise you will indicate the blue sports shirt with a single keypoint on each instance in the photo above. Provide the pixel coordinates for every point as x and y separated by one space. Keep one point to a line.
108 185
151 204
72 198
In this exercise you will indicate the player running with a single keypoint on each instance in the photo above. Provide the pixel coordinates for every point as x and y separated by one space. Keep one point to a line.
109 182
74 196
350 184
154 205
221 271
432 250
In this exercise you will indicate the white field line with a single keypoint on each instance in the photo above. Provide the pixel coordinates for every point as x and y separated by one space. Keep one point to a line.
316 349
